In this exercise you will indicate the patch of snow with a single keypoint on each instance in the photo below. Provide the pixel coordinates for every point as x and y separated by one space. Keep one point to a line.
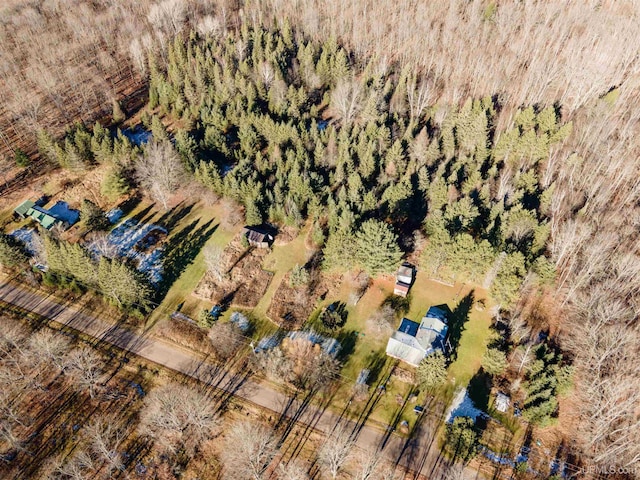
267 343
126 235
363 376
462 406
240 320
114 215
495 458
331 346
25 236
151 263
62 212
226 168
138 135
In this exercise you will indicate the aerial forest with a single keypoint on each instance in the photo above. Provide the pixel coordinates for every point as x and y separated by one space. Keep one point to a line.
497 140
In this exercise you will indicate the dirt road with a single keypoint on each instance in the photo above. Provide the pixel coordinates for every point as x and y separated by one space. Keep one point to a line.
419 455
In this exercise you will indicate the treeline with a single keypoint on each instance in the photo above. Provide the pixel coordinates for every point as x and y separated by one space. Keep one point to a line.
72 266
293 129
81 149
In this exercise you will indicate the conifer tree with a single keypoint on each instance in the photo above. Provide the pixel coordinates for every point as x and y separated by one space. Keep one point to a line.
11 253
377 248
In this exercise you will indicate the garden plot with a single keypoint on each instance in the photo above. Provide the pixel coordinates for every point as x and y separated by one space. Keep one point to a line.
143 244
291 306
245 282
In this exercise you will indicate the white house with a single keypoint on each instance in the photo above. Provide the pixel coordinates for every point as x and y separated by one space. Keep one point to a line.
413 341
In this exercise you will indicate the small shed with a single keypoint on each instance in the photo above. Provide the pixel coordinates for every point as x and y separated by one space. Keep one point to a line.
258 237
22 209
502 402
404 279
405 274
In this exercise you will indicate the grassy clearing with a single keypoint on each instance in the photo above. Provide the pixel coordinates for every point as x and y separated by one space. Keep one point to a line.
369 348
179 294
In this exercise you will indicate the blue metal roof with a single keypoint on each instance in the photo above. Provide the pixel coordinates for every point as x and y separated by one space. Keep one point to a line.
409 327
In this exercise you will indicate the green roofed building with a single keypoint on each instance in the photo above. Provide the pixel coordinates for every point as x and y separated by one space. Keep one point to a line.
59 214
41 216
22 209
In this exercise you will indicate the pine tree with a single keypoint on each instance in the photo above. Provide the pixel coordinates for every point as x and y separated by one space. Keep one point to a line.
118 115
122 284
494 361
509 279
339 251
92 217
114 184
377 248
432 371
461 439
11 252
21 158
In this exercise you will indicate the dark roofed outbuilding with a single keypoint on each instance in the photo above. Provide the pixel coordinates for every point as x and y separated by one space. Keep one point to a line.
258 237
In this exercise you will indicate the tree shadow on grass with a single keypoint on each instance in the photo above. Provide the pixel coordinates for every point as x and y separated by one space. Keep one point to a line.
457 319
129 204
348 340
375 361
180 251
171 217
143 214
479 389
400 305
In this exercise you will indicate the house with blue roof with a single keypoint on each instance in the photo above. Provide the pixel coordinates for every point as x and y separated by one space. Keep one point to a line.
413 341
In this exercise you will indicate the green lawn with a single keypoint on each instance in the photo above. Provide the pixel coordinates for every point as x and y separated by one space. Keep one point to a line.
184 219
369 349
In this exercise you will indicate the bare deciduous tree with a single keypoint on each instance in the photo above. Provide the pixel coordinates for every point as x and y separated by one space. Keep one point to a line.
292 471
335 451
100 244
168 15
310 367
226 339
48 347
231 213
248 451
159 171
85 367
215 260
178 417
78 467
138 55
346 100
370 466
105 438
381 321
453 472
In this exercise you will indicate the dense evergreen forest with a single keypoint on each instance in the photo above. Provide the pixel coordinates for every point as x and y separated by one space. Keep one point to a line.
292 129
